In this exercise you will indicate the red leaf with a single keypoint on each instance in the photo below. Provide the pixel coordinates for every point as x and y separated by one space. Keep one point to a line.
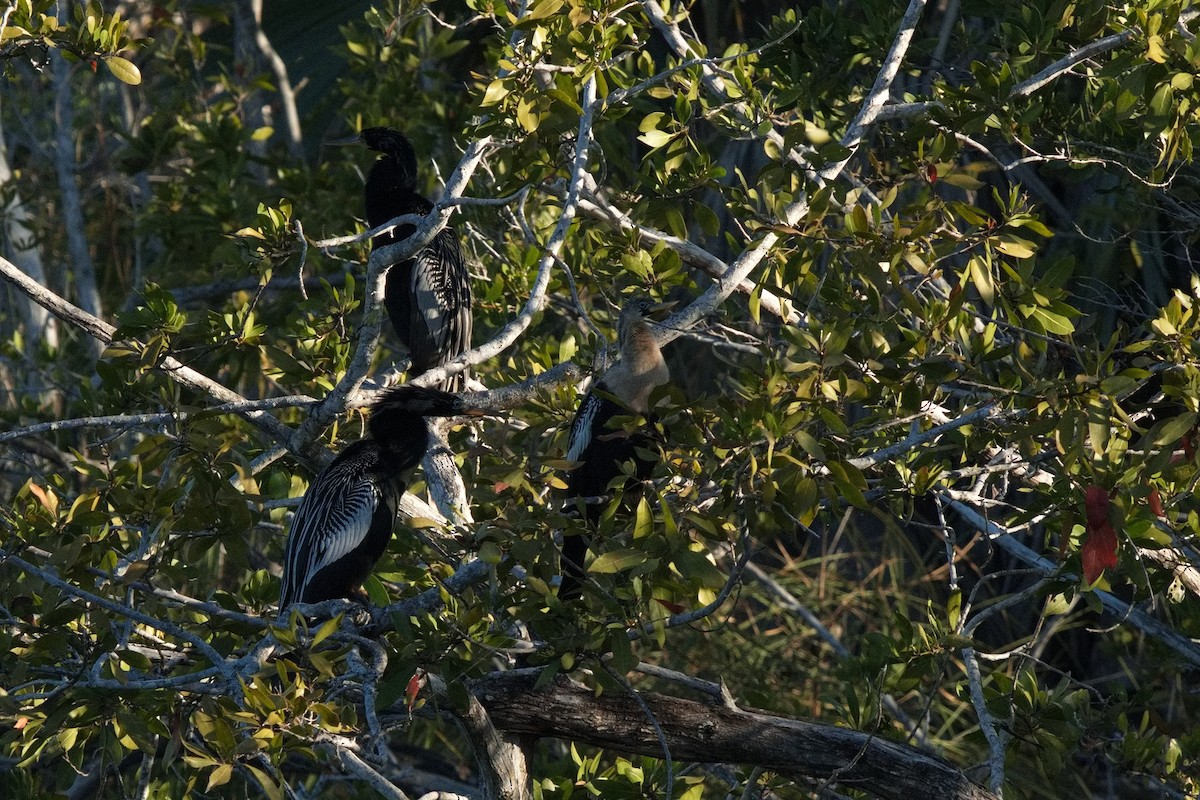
1099 552
92 62
1155 502
674 608
1095 502
414 686
931 173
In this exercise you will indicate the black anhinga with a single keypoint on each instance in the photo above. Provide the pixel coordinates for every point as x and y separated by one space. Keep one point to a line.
599 449
428 296
346 518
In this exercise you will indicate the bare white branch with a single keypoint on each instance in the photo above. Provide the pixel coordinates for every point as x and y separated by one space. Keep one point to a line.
537 297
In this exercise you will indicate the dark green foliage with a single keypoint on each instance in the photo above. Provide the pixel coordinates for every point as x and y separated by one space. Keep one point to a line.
1021 255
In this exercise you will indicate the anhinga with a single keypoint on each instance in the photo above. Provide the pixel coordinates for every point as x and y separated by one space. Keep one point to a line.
600 449
428 296
346 518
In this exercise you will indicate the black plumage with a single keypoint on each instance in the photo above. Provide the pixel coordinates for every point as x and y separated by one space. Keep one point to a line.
597 446
428 296
346 518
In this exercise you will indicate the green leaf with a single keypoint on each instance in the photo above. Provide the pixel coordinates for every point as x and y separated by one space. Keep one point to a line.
490 553
527 116
268 784
376 592
1053 323
655 138
495 92
650 121
124 70
1013 246
645 519
623 659
617 561
809 444
954 608
328 627
543 9
1056 604
847 477
1174 429
981 276
1099 426
1155 50
962 180
219 776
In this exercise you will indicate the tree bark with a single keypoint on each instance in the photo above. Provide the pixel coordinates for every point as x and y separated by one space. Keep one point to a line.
81 269
699 732
17 242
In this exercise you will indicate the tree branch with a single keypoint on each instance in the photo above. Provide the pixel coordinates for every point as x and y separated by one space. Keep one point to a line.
700 732
154 419
84 272
169 366
502 769
750 258
537 296
1146 624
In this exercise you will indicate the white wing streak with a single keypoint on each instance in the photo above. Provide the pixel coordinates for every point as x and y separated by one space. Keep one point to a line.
331 521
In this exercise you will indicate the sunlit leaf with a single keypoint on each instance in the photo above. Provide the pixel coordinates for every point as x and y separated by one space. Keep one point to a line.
124 70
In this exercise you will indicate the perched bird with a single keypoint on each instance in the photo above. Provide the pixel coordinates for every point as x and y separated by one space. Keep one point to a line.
598 448
345 521
428 296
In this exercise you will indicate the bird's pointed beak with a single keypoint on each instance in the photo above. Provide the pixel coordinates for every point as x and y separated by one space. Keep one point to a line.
346 140
659 310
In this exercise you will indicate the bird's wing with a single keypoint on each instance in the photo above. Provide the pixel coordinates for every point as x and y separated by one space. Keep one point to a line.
594 412
440 328
581 427
332 520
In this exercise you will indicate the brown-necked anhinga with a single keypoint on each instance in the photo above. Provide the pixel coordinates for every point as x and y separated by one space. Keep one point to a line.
428 296
598 448
346 518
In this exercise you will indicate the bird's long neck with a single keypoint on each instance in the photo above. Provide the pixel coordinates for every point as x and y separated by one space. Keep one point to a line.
390 188
403 437
640 369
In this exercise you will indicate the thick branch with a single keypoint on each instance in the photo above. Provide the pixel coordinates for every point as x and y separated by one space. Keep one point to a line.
287 96
698 732
502 768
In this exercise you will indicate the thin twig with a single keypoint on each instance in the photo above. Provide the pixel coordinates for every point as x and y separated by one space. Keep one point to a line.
658 731
159 418
1005 539
104 332
169 628
995 735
